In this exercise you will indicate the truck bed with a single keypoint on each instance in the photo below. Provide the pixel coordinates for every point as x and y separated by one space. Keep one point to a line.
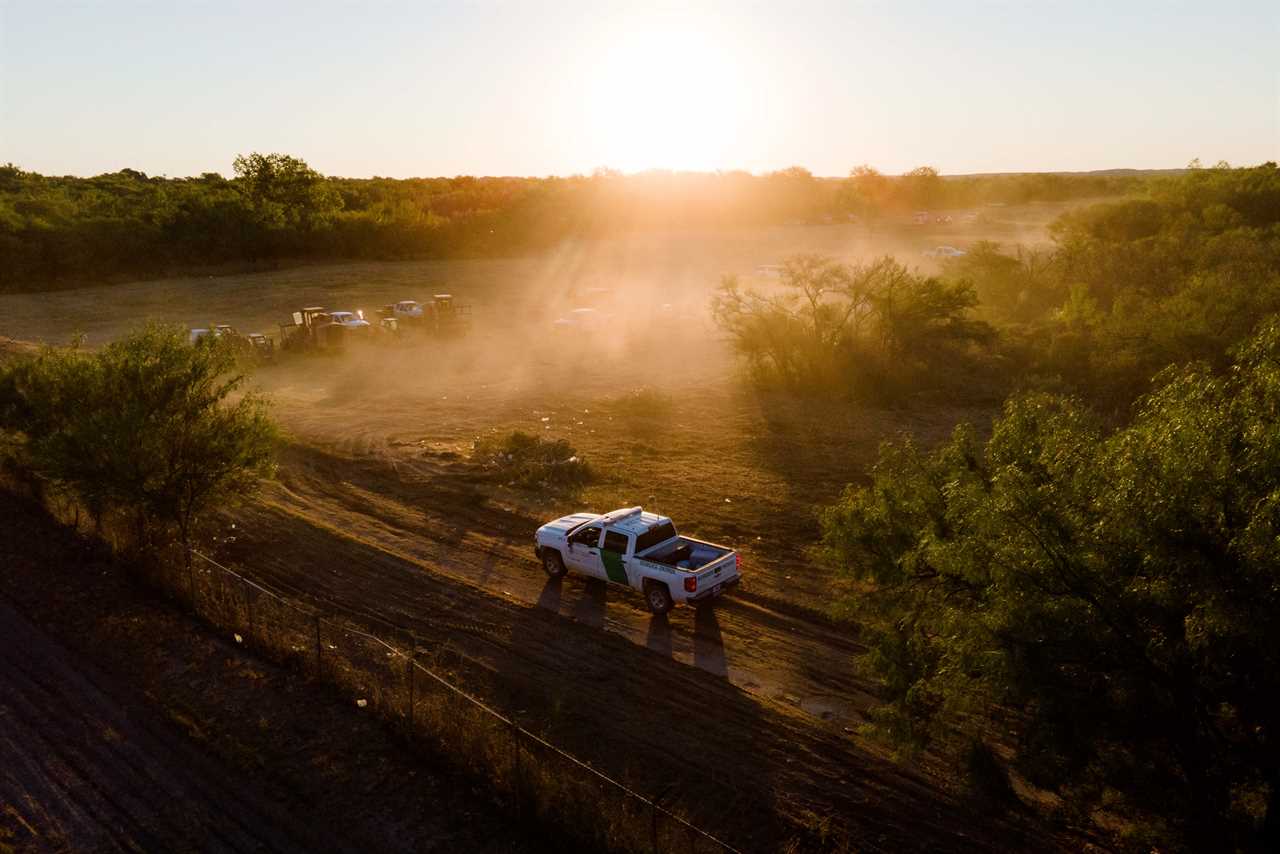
685 553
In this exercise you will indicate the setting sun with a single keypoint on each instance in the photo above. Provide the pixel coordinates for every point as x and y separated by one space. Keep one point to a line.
670 93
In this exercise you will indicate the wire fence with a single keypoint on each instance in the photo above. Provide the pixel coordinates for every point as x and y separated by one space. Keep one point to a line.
543 781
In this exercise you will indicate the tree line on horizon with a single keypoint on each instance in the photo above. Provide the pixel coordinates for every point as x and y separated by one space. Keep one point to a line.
64 231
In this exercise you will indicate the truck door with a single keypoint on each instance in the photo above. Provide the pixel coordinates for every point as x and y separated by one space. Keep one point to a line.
613 554
584 552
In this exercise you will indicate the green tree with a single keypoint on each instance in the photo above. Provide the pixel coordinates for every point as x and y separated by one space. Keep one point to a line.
795 333
866 192
286 192
923 187
149 427
1117 595
1022 287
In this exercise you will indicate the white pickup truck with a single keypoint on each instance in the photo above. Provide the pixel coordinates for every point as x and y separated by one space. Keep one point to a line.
641 550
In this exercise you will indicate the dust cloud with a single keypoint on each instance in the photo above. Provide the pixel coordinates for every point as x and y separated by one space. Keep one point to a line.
638 305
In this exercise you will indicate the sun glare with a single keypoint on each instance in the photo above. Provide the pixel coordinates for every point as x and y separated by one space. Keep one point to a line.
669 94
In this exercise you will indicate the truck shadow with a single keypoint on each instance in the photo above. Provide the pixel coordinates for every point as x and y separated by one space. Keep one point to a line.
659 638
708 642
589 609
549 598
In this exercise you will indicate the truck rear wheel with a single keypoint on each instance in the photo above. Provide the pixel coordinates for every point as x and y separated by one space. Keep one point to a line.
658 597
553 563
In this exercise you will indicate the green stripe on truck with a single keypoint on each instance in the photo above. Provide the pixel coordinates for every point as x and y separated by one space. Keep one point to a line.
613 566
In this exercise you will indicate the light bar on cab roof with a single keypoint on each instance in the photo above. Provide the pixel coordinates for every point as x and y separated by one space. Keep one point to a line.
614 516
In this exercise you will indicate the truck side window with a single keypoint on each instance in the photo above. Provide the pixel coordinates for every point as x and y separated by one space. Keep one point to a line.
587 536
615 542
653 536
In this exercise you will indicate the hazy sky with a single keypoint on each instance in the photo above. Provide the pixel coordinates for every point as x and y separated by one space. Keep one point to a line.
538 88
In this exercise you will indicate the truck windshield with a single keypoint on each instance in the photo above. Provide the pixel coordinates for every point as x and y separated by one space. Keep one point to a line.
655 535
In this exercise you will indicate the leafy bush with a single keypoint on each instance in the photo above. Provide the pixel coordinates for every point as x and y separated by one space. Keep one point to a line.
1181 274
1120 591
1019 288
145 426
533 462
871 331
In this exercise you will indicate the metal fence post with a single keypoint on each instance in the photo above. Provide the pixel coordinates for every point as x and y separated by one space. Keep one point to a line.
653 825
413 665
384 695
249 602
515 779
319 652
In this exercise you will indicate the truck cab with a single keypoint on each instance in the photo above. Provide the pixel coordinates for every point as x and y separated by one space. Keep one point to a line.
640 550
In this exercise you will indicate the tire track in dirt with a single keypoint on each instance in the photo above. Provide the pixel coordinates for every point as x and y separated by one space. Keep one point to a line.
419 546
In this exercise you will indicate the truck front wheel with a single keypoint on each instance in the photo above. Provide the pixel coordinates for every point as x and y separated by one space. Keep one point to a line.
553 563
658 597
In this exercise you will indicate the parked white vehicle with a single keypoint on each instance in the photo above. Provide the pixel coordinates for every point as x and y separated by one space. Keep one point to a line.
407 309
221 330
640 550
944 252
581 320
348 320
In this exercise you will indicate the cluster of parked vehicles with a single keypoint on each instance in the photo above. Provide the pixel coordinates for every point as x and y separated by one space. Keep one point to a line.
252 343
318 328
441 316
315 327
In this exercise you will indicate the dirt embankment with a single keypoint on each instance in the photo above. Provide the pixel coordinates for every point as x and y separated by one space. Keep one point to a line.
125 725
